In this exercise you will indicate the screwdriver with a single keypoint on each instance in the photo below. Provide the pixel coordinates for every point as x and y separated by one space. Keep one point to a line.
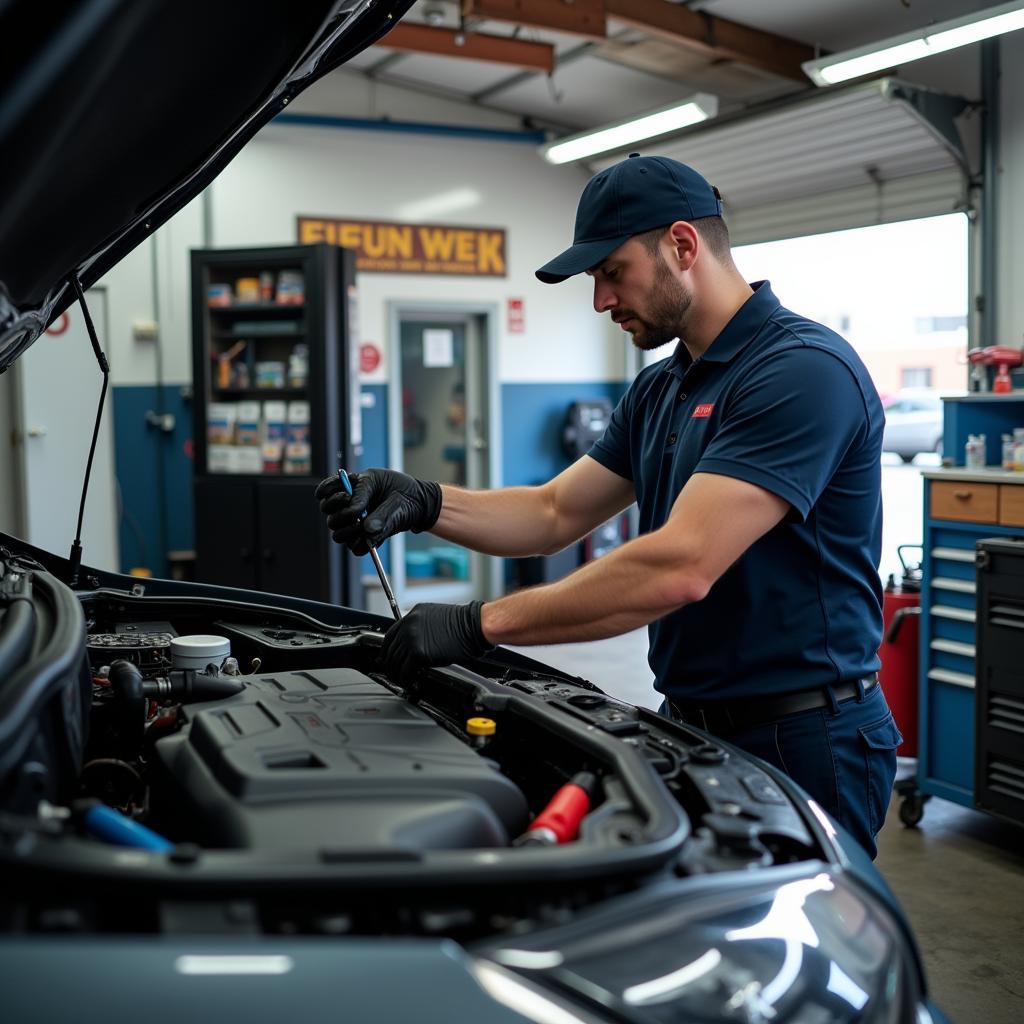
388 592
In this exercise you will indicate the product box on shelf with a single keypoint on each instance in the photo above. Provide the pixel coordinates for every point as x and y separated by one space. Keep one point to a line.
270 373
275 419
291 288
219 458
219 295
248 460
221 418
273 456
298 459
298 423
247 427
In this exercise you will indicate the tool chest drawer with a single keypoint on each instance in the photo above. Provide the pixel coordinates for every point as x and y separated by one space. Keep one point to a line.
967 501
1011 504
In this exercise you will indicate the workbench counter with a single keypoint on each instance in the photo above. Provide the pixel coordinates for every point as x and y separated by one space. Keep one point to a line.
989 475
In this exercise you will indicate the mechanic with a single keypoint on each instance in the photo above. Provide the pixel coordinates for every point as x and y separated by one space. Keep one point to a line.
753 453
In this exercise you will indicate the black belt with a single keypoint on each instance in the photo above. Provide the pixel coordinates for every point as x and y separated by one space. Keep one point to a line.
723 717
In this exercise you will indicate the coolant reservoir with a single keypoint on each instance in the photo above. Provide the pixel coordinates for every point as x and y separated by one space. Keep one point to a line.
199 650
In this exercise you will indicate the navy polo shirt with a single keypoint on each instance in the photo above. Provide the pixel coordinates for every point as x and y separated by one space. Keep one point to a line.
784 403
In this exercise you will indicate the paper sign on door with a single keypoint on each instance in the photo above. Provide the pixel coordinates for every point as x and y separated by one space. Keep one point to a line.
438 347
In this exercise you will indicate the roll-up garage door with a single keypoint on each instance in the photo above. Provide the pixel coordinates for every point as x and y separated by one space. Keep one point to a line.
871 153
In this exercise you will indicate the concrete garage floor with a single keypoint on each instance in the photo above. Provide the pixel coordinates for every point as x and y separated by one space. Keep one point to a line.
959 876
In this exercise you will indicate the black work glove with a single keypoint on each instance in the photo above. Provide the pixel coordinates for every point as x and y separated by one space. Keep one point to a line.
393 502
434 634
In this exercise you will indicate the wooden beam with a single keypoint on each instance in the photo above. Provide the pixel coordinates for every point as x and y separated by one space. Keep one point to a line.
714 37
577 17
519 53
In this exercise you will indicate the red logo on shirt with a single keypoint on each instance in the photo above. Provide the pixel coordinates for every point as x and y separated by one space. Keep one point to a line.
702 412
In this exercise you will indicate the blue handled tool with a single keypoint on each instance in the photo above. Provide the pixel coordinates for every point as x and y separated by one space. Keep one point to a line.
388 592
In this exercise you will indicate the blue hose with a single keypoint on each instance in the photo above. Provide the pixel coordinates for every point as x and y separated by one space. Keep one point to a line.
107 824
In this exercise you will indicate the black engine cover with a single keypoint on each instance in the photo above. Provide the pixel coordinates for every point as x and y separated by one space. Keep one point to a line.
330 759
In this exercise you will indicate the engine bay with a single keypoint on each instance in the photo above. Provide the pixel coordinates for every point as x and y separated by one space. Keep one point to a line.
287 765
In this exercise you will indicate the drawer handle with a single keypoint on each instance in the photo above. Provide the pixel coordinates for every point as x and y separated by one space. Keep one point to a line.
962 495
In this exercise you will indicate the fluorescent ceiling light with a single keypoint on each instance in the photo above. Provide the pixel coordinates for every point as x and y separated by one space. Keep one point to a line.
911 46
636 129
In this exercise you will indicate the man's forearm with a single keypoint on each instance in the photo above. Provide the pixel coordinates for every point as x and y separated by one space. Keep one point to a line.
630 587
512 522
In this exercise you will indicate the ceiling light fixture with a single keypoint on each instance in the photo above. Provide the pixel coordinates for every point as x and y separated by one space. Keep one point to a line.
635 129
911 46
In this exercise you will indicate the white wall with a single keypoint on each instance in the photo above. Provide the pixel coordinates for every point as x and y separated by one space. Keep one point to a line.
289 170
130 299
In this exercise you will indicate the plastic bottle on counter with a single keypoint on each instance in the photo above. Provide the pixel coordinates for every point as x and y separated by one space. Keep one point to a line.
974 451
1009 460
1018 444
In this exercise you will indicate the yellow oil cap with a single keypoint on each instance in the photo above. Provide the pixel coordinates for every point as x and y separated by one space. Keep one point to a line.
481 726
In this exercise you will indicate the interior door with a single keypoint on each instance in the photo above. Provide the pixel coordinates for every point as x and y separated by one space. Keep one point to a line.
444 438
58 388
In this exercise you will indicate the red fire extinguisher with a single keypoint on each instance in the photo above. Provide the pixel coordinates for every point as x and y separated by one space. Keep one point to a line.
901 610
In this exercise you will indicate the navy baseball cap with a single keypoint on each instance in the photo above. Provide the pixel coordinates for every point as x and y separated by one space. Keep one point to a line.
635 195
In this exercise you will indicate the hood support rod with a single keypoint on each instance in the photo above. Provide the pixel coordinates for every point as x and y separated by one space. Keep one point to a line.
75 558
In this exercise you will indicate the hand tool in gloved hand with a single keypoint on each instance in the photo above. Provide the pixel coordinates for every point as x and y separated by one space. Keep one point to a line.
382 502
388 592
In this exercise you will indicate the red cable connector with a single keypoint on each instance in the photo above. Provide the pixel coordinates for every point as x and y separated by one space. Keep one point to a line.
559 822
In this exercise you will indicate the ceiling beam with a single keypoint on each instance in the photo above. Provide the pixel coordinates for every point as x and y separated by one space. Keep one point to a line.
561 61
577 17
714 37
413 38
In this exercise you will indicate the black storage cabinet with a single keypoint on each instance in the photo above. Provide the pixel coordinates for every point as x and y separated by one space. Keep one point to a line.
263 530
999 692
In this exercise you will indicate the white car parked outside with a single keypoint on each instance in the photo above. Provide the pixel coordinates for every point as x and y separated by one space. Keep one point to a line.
913 423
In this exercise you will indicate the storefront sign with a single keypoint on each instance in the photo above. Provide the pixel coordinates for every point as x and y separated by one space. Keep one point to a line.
389 248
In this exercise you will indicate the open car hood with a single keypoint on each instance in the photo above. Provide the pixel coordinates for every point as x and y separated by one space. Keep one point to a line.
114 115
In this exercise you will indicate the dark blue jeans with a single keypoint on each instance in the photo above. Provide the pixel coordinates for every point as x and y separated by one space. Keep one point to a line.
844 756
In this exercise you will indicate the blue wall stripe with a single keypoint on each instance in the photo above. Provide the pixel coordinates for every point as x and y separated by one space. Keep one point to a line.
411 127
532 417
375 453
136 461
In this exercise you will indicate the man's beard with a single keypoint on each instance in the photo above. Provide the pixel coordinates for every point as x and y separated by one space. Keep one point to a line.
667 307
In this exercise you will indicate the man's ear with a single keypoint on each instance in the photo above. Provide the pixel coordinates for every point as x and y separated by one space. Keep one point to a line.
685 243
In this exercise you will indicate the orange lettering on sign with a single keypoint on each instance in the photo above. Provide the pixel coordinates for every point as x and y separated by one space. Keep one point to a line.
311 231
405 248
350 236
465 246
489 257
375 243
437 243
400 241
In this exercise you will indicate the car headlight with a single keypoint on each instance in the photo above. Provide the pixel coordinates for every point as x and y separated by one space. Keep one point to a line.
803 946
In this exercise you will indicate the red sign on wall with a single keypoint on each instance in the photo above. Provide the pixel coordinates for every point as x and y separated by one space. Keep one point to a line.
369 357
59 326
516 316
